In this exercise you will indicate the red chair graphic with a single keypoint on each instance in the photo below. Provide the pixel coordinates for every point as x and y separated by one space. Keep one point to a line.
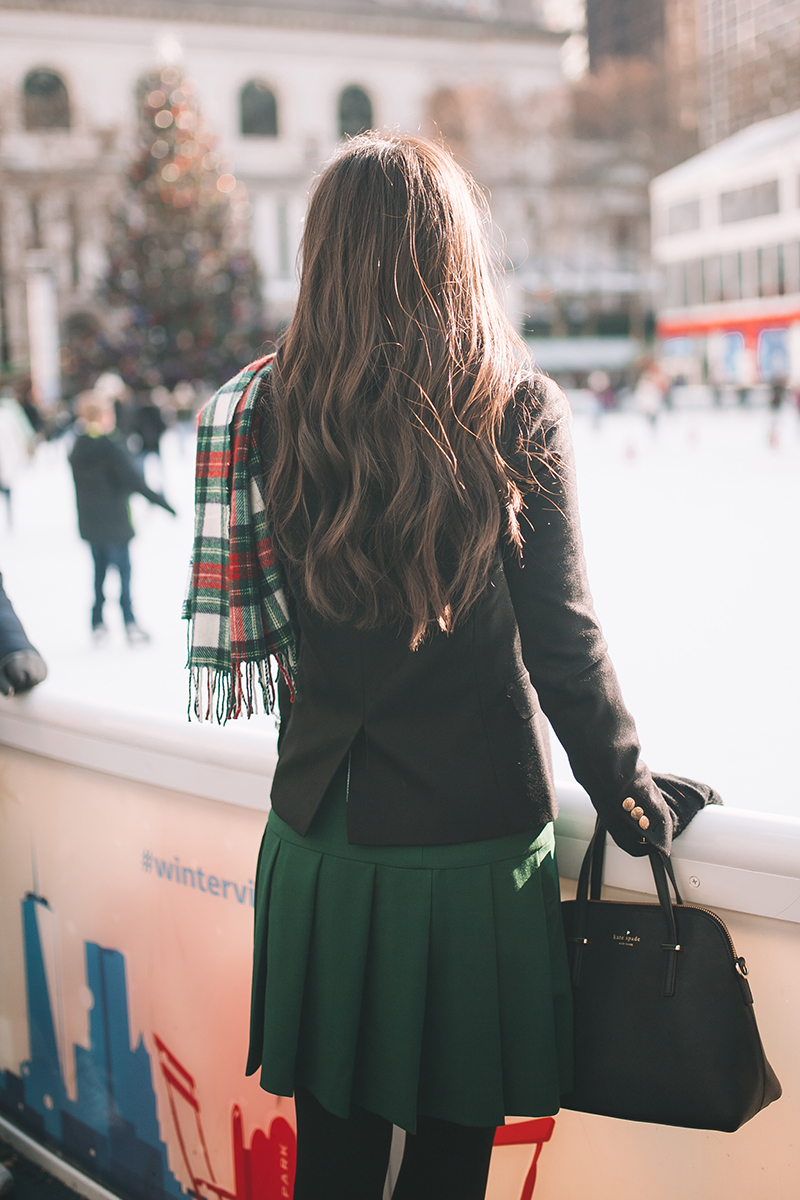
527 1133
264 1171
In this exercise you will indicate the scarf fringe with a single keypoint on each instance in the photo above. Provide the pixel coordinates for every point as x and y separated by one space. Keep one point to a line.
218 694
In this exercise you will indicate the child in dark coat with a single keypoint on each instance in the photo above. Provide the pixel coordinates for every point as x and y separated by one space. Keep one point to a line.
105 477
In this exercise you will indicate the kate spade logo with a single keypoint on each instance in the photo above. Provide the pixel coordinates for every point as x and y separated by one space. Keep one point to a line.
628 938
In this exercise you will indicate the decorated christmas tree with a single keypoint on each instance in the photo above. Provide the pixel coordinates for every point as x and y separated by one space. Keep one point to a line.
182 294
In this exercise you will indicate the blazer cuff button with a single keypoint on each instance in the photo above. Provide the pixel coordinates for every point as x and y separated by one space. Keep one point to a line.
628 804
637 812
644 822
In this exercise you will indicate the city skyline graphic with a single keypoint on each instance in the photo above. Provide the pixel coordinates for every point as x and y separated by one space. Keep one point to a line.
111 1129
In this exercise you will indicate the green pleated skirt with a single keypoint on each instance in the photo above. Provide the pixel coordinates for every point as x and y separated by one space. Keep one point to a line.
406 980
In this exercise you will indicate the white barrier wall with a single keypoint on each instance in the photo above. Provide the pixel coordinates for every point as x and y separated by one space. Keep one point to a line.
127 856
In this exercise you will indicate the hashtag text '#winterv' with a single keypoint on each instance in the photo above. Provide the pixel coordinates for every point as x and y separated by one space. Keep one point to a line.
171 871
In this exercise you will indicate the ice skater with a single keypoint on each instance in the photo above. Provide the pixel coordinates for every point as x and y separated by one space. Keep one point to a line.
149 427
649 392
776 397
105 477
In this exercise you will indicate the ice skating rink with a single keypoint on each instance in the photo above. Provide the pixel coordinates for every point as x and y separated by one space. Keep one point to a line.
692 533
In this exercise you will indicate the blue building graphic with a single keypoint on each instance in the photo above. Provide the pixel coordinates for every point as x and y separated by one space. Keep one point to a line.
111 1128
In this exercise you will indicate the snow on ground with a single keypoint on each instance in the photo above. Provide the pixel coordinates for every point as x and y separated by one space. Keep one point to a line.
691 535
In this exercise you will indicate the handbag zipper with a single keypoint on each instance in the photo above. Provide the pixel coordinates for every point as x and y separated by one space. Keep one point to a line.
739 962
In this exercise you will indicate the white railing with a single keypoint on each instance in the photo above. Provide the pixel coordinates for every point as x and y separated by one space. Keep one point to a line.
729 858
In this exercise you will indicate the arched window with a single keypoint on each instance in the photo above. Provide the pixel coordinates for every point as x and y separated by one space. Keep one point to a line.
355 111
258 110
45 101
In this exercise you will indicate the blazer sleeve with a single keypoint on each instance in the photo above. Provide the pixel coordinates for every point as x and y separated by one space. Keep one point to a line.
13 638
562 644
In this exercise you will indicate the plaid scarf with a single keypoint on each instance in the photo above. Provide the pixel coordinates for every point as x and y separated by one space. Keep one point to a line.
235 601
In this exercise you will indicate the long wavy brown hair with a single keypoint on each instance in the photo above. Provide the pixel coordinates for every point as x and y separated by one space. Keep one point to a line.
387 489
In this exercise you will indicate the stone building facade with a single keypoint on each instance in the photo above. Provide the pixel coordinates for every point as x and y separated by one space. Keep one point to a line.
279 85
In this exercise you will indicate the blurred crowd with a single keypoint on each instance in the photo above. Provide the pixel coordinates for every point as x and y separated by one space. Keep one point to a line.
142 416
653 392
140 421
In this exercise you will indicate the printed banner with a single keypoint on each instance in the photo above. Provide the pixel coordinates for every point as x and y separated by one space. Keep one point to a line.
126 916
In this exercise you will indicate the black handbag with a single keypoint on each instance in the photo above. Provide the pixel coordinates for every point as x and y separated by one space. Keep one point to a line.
664 1024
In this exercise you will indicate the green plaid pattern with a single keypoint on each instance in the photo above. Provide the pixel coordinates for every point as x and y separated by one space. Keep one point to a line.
235 603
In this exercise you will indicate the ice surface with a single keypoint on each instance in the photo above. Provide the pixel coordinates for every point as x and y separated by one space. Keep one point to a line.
691 533
48 574
692 536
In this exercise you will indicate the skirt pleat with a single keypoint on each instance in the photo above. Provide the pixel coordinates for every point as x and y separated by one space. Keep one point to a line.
393 1009
336 968
536 1005
291 894
462 1053
270 848
410 980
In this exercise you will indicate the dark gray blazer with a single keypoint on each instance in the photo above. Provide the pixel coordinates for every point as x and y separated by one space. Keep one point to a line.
449 744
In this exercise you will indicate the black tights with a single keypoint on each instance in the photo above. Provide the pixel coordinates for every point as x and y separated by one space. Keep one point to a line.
340 1159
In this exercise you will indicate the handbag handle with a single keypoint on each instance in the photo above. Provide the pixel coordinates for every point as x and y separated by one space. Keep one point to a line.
590 884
